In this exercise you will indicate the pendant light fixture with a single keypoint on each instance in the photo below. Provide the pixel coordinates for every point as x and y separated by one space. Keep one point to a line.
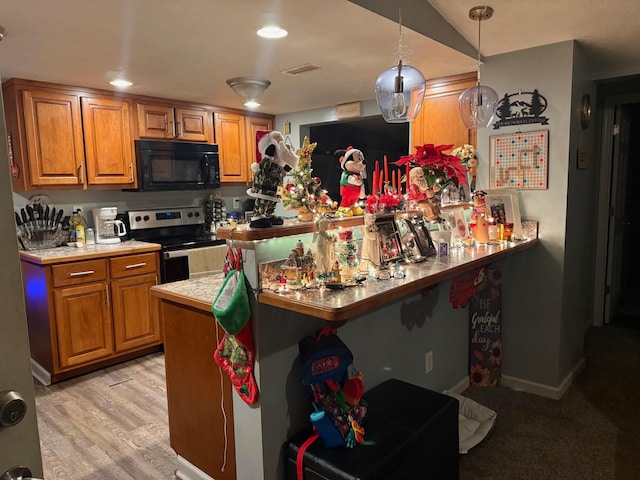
400 89
478 103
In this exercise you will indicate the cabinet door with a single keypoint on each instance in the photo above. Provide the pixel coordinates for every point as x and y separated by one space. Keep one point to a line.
53 128
253 125
231 136
155 121
108 146
83 323
194 125
439 120
135 322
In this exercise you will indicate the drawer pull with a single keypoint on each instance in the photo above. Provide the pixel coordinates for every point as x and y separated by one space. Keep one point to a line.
82 274
135 265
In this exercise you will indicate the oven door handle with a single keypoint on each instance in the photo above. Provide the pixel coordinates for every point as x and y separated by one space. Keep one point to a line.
174 254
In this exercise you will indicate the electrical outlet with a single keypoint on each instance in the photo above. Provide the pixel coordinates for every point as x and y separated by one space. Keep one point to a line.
236 203
428 361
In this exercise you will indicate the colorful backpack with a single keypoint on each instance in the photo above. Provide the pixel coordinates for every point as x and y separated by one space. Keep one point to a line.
339 409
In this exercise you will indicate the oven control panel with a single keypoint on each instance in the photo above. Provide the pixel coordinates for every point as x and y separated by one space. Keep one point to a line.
167 217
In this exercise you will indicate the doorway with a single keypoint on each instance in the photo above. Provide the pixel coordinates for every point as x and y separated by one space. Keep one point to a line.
617 286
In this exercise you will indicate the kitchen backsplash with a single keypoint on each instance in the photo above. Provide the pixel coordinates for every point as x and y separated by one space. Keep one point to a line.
90 199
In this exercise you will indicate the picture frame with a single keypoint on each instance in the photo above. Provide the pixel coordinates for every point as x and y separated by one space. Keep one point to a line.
390 245
457 223
505 207
410 245
455 193
420 229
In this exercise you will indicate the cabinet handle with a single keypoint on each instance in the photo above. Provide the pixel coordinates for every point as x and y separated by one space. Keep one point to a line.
179 129
81 172
82 274
135 265
106 289
131 170
156 279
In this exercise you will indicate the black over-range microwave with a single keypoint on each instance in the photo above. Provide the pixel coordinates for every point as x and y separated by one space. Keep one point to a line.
163 166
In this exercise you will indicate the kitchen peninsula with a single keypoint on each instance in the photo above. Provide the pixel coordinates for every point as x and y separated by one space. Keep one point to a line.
385 329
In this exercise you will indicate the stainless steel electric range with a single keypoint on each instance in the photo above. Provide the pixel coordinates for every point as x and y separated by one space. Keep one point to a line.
177 229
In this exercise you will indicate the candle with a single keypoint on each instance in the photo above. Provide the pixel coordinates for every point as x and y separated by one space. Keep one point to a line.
376 176
374 184
380 181
393 179
386 169
399 182
406 180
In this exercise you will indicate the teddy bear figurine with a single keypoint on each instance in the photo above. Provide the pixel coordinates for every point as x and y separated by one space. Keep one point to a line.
354 172
272 158
480 218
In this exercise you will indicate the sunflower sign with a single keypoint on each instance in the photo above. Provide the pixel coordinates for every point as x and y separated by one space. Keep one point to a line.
482 290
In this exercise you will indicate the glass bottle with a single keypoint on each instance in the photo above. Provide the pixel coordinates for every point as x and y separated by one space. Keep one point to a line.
73 223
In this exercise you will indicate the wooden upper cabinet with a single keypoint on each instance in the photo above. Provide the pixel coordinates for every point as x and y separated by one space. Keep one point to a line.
236 136
54 144
232 148
109 149
439 121
253 125
174 123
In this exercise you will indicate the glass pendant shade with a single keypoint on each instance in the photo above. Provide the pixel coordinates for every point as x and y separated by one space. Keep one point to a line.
399 92
478 106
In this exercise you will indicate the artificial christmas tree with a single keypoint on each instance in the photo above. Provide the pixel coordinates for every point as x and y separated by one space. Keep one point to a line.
303 192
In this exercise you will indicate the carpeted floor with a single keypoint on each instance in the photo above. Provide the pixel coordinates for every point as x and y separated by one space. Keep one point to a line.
592 433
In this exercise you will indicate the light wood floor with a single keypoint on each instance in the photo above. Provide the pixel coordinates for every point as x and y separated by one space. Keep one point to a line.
110 424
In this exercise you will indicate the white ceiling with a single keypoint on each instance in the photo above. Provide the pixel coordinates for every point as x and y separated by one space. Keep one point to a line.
186 49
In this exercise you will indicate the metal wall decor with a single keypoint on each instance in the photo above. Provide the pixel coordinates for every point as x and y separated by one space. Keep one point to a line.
521 108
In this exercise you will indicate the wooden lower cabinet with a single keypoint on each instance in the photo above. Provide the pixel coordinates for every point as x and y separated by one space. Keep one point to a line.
85 315
83 323
198 391
135 324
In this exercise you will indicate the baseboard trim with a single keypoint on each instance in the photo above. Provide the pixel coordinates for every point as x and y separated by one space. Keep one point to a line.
40 373
187 471
527 386
461 386
540 389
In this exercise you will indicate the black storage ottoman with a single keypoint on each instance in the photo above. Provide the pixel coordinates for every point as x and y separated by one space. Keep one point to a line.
414 435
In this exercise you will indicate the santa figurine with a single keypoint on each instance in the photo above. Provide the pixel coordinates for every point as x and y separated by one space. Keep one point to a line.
354 172
272 157
422 195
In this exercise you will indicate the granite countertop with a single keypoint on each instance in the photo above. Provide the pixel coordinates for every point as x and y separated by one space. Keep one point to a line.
198 293
341 305
88 252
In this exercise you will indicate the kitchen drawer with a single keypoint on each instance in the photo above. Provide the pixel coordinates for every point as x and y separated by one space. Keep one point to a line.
77 273
133 265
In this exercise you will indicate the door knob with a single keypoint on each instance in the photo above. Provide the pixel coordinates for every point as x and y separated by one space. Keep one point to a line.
18 473
12 409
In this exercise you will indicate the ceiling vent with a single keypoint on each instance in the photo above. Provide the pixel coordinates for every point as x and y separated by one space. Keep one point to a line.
307 67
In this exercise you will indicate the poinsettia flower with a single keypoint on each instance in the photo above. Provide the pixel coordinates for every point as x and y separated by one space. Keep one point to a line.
439 165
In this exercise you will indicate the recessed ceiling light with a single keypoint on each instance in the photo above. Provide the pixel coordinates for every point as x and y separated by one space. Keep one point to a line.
121 83
272 31
251 104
